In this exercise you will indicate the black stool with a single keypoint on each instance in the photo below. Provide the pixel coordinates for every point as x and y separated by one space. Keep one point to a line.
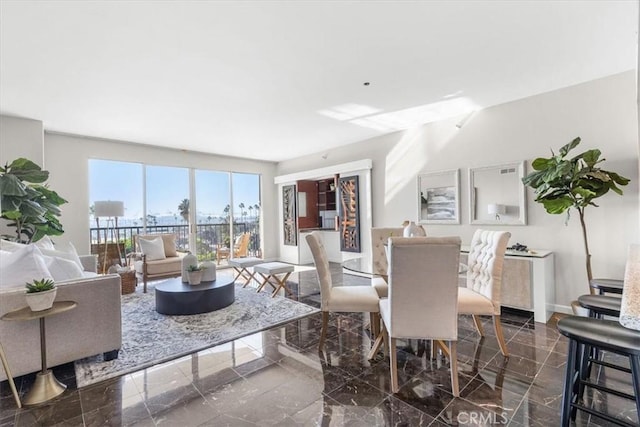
599 305
612 286
584 332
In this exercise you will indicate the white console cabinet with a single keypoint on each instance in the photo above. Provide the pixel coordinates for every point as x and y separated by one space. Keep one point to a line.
528 282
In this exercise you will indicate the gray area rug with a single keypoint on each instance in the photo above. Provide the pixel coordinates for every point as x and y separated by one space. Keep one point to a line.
149 338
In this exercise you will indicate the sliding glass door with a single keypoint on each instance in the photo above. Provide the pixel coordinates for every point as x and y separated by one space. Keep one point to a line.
206 209
246 215
213 212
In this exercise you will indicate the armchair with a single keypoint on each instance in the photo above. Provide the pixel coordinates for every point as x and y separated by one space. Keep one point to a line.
148 267
240 248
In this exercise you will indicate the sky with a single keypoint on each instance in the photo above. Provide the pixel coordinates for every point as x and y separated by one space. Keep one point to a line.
168 186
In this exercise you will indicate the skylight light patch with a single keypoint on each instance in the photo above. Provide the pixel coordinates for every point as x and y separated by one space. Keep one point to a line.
365 116
346 112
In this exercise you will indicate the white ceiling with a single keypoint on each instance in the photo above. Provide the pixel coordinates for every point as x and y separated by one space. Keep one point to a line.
277 80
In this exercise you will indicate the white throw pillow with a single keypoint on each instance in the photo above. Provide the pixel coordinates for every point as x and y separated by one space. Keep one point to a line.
62 269
9 246
45 243
22 266
152 248
66 251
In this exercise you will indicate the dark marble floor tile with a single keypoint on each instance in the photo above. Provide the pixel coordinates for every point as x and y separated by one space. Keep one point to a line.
460 412
356 392
398 413
59 410
107 393
516 366
534 414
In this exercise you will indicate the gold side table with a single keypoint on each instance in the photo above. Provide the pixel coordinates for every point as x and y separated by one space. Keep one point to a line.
47 385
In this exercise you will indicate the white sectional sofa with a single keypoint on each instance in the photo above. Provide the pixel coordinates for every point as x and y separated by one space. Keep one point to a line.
93 327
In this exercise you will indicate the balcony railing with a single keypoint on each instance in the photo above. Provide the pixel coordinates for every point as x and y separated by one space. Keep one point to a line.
208 236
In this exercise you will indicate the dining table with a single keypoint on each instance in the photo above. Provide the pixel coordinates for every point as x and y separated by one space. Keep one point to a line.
364 266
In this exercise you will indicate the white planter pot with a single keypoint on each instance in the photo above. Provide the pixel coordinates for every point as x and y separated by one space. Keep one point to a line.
195 277
39 301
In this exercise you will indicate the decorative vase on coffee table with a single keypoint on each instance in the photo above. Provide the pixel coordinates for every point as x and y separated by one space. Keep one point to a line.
187 260
209 271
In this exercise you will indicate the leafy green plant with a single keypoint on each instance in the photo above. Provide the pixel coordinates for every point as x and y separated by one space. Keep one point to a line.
27 203
40 286
562 183
194 268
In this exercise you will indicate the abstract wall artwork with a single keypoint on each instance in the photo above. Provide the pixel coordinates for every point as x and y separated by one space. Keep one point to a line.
438 197
348 211
289 214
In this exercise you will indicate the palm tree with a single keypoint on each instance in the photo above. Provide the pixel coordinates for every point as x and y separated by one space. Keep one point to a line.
257 208
241 206
250 210
226 212
183 209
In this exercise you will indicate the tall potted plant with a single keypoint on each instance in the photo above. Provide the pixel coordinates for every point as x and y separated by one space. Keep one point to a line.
28 203
562 183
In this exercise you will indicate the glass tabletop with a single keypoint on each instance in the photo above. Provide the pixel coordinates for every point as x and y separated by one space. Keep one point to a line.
365 266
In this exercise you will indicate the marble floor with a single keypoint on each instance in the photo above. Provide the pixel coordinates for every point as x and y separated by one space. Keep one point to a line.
277 377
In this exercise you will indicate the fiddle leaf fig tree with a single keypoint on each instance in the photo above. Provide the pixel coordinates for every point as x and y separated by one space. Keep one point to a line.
28 203
562 183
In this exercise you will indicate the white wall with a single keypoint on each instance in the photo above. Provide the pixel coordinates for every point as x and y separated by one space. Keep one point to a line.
602 112
67 160
21 138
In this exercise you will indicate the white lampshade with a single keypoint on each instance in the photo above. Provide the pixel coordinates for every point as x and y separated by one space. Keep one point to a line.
109 208
496 209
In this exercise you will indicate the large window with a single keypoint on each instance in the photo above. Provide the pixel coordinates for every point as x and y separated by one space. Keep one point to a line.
159 199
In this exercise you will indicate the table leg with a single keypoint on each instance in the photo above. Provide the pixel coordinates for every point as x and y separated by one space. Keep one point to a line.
46 386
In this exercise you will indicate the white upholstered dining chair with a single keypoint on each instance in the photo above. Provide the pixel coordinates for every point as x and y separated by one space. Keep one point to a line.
340 299
379 260
481 296
423 296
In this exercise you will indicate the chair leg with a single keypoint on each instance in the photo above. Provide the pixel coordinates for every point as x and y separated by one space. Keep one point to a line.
453 364
478 322
444 348
498 328
323 332
374 322
375 346
567 390
393 365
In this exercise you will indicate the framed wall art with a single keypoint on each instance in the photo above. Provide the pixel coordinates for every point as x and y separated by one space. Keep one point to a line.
349 213
289 215
439 197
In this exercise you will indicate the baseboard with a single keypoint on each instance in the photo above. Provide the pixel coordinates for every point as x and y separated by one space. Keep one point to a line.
565 309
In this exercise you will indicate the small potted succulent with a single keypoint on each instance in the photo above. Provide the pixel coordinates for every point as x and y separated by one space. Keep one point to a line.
41 294
194 274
